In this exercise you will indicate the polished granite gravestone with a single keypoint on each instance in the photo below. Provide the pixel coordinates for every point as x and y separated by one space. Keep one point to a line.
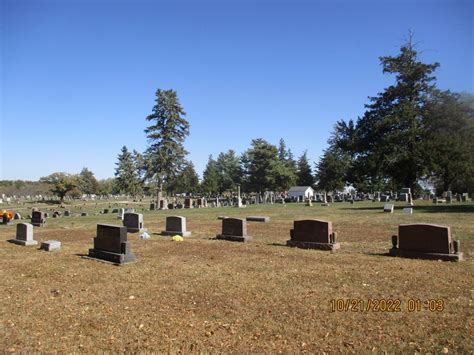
313 234
38 219
133 222
425 241
110 244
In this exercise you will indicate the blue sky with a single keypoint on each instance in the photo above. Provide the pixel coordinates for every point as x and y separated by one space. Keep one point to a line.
78 77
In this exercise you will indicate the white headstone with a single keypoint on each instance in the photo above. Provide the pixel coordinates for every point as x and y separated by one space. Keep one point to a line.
388 208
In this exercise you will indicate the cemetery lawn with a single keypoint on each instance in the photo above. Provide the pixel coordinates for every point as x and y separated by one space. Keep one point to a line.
219 296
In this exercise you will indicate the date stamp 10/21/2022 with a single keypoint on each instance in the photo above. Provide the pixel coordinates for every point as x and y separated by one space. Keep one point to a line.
387 305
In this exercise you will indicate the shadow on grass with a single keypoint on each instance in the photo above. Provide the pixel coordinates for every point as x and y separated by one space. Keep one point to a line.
426 209
278 245
379 254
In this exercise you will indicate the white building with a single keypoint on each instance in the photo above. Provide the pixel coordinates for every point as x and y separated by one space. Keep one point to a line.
301 192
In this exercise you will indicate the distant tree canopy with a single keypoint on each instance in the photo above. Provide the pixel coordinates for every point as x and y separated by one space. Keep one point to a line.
88 184
61 183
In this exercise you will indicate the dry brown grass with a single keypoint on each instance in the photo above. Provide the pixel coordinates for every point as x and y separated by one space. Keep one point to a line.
217 296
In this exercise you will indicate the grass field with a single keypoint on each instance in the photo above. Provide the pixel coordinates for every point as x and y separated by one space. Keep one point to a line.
203 295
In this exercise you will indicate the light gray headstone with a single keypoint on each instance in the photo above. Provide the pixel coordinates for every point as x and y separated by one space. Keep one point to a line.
408 210
24 235
388 208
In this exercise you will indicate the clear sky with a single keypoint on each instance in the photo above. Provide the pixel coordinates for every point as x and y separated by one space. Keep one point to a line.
78 77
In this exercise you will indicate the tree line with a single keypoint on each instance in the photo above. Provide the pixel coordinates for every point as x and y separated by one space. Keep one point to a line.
262 167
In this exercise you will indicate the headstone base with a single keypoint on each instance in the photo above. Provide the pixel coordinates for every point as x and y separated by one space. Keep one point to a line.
182 234
233 238
115 258
25 243
313 245
428 256
133 230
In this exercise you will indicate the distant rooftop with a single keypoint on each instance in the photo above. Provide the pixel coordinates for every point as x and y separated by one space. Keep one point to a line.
299 188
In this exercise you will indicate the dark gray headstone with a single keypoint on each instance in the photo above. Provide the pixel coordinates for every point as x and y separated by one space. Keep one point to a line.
110 244
133 222
38 218
234 229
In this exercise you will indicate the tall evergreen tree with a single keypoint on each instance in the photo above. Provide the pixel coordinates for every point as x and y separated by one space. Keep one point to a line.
333 169
282 152
127 179
229 170
186 181
166 135
388 136
210 182
305 176
262 159
449 142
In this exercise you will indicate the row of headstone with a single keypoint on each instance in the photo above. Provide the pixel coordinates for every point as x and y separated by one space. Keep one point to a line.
424 241
427 241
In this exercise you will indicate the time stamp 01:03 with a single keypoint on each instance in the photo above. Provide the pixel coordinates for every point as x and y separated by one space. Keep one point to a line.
386 305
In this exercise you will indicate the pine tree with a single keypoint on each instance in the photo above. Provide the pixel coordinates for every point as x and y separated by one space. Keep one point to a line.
305 176
186 181
229 170
165 154
389 145
127 179
210 182
282 153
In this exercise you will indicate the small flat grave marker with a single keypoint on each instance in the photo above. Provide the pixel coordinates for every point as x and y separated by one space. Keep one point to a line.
50 245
